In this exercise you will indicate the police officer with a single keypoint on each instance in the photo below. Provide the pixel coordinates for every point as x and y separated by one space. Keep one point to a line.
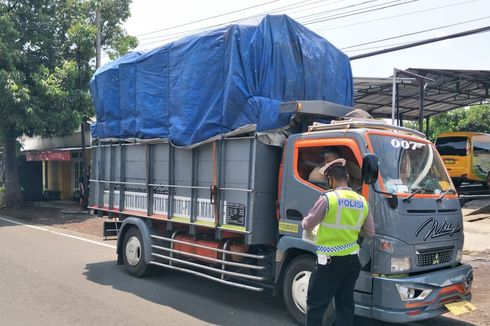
338 216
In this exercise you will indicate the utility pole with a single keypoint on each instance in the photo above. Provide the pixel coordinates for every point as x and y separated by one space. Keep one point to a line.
84 201
85 176
97 37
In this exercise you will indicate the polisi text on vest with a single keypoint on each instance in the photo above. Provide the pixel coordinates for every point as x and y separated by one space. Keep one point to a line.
350 203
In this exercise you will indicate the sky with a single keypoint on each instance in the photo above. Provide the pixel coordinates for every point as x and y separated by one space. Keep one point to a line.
344 23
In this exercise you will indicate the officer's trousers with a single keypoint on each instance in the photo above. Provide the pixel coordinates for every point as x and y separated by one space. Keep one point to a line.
334 280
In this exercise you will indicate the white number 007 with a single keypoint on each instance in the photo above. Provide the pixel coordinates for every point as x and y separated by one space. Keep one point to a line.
406 144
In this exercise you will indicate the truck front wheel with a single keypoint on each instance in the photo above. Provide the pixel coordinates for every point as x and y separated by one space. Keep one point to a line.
295 289
134 253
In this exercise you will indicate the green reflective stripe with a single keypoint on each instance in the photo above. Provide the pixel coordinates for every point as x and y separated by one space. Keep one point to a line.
361 212
337 197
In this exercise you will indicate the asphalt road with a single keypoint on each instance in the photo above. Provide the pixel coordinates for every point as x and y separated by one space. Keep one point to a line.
47 278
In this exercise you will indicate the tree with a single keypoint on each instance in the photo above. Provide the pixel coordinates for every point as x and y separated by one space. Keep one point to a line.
475 118
46 61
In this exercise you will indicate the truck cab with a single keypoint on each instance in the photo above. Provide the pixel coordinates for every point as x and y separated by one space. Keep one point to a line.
412 266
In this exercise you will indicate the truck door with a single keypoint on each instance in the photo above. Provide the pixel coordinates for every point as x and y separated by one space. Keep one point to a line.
302 184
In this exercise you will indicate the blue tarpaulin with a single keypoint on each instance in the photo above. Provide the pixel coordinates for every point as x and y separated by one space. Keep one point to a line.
212 83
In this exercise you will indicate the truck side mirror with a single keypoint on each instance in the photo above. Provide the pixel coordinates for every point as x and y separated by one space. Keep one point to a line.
370 168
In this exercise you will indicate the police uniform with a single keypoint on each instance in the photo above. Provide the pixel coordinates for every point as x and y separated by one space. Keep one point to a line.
338 264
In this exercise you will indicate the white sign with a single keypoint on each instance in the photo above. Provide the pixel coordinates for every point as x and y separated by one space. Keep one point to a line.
405 144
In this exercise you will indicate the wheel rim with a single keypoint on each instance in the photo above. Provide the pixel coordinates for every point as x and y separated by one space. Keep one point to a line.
299 290
133 251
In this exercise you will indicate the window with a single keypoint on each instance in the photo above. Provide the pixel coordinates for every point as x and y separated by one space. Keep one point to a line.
311 159
481 144
77 168
407 165
481 156
452 146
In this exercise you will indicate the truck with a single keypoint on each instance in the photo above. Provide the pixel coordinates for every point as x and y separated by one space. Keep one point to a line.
466 156
226 204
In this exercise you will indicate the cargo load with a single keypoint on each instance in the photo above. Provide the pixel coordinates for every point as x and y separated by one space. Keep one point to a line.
215 82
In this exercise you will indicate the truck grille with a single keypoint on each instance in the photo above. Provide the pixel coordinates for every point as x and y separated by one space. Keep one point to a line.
429 257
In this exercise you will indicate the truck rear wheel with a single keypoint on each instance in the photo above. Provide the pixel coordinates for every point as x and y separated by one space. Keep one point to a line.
295 289
134 253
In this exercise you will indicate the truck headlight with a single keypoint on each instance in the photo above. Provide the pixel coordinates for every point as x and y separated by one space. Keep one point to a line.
412 293
400 264
459 254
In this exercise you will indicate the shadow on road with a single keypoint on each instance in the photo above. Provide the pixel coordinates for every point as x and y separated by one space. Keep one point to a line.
48 213
211 302
200 298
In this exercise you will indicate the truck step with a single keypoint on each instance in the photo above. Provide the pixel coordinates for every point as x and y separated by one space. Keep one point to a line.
111 228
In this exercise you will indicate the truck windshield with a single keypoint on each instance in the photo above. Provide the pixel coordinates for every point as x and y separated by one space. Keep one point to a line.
407 165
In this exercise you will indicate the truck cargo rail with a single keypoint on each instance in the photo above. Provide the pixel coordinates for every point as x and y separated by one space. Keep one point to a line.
223 262
211 269
209 277
164 185
214 260
224 251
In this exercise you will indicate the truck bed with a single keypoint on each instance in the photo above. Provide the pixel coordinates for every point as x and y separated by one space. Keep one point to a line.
157 180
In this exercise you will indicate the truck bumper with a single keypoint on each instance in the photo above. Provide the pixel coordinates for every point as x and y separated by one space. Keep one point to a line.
447 285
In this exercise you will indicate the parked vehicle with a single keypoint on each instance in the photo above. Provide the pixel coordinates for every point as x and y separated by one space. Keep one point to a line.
202 153
466 156
230 211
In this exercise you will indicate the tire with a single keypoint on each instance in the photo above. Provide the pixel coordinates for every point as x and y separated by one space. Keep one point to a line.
457 183
134 253
295 289
486 183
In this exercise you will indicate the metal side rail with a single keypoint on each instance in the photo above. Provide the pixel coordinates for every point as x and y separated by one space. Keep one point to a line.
362 123
221 272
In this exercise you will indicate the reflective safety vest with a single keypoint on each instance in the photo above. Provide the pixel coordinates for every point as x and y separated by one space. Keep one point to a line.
338 232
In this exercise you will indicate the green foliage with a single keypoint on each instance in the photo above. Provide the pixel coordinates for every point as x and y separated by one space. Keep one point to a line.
63 102
47 51
475 118
122 46
46 61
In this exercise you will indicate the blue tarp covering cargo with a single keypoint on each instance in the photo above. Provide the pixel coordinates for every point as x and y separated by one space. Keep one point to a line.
212 83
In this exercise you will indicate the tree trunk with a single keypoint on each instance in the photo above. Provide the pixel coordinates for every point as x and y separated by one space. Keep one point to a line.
13 195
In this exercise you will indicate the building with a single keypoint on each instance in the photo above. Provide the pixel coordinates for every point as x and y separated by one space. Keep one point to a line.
61 163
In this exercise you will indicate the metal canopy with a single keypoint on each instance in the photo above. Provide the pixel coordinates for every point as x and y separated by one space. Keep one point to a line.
450 89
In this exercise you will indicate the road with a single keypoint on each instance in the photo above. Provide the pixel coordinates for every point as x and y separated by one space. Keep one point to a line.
47 278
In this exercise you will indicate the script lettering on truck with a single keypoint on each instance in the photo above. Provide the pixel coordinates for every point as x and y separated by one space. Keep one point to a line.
434 230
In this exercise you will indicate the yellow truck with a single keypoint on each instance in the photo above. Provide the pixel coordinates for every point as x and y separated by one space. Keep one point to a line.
466 156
